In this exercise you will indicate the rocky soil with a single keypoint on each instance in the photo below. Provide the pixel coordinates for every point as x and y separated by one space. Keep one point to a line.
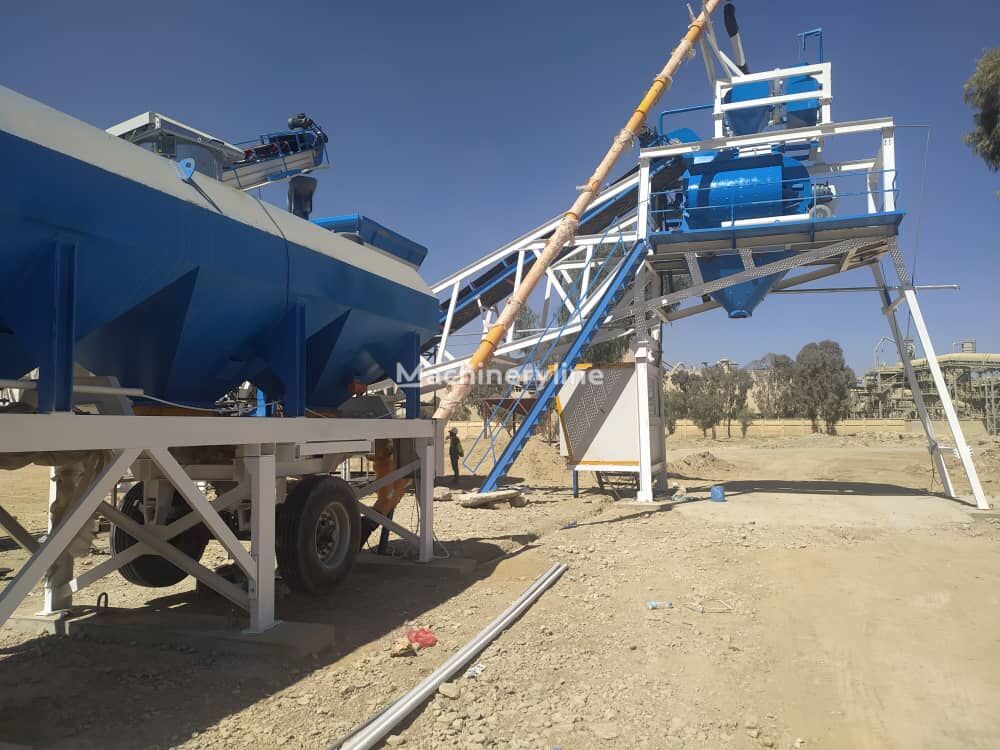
830 602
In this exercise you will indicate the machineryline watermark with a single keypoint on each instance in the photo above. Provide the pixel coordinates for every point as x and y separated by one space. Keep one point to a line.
524 375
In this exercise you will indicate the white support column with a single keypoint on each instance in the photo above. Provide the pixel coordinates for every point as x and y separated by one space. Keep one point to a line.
57 598
261 472
425 497
918 399
55 544
645 493
961 446
888 169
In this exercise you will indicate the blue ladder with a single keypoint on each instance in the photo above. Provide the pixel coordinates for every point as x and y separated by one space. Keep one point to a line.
619 283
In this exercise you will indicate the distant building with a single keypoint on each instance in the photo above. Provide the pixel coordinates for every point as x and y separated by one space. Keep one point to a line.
973 380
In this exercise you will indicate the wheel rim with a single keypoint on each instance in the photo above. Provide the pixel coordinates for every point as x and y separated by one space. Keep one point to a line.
330 548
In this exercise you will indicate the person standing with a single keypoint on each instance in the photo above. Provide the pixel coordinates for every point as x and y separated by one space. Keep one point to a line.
455 451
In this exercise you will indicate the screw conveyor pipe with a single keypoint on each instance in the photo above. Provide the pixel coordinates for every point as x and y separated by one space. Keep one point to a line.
460 386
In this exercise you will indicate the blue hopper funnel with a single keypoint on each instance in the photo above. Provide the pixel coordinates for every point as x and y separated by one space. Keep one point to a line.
742 299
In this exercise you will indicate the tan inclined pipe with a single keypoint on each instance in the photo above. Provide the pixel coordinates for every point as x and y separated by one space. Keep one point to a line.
459 388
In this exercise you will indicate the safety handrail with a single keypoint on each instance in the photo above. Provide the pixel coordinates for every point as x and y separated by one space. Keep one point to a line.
531 359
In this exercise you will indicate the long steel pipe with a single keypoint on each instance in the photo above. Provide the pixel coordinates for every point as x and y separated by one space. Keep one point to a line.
459 388
371 733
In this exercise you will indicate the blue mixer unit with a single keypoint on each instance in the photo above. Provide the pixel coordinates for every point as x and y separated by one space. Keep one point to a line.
725 187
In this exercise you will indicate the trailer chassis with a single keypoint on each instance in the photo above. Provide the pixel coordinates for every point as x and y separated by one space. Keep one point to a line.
266 452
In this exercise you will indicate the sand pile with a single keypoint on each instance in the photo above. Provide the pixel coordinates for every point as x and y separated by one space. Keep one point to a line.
698 464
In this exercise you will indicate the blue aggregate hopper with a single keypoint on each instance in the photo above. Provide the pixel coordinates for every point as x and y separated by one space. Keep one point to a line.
742 299
110 256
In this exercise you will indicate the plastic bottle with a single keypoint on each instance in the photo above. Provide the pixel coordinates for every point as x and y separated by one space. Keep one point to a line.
653 604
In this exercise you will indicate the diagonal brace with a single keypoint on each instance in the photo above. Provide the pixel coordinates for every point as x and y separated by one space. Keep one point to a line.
55 544
166 533
199 504
168 551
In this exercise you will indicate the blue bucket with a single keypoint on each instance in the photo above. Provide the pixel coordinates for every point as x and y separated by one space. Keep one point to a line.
717 494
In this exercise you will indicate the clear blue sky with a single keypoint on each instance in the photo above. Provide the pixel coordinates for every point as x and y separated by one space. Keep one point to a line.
465 124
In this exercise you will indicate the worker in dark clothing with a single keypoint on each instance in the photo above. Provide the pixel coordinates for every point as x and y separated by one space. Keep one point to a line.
455 450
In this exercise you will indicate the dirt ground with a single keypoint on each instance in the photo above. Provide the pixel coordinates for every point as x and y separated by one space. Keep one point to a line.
830 602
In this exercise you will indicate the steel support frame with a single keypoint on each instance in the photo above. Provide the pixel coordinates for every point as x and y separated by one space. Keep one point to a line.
145 442
818 71
961 447
555 276
641 350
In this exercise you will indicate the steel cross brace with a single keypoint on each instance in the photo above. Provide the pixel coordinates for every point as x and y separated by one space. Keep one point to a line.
56 542
164 533
152 541
786 264
17 532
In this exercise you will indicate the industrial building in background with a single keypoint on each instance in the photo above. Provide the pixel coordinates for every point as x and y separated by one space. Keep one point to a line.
972 379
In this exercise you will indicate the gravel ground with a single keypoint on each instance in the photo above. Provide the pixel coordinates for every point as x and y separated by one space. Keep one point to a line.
828 603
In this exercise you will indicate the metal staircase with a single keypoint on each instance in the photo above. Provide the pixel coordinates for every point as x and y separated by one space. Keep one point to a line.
612 293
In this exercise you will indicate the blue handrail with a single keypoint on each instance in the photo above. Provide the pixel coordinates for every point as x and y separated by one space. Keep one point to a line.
619 282
533 361
678 111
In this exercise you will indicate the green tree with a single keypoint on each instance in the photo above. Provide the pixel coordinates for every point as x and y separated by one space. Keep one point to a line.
982 93
674 408
703 396
746 419
734 386
773 387
822 383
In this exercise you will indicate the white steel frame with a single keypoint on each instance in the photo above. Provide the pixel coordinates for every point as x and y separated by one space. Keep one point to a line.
829 257
777 77
815 259
440 364
268 452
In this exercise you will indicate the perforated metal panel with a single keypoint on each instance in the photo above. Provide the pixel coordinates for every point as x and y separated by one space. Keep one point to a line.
589 405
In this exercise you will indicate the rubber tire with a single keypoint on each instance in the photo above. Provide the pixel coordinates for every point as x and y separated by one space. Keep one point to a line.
296 527
153 571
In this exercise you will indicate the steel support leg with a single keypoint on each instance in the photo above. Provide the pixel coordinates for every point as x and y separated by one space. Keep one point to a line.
57 598
645 483
961 446
425 497
918 399
60 537
261 471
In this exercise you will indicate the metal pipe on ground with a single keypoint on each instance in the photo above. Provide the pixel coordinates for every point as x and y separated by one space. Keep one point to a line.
459 388
379 726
